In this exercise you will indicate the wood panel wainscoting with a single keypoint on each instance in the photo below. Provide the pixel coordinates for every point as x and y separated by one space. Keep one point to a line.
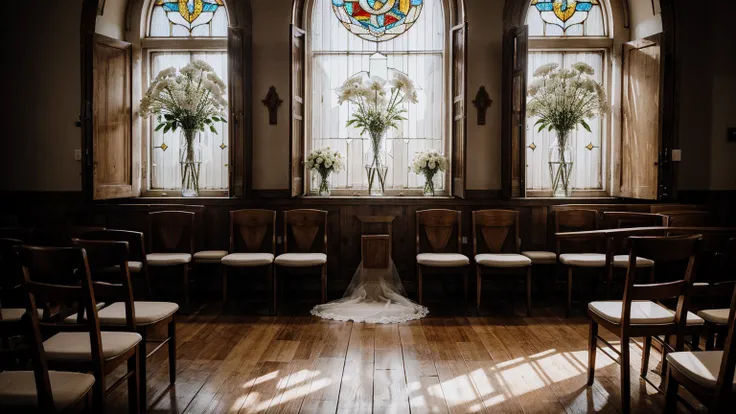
441 364
536 220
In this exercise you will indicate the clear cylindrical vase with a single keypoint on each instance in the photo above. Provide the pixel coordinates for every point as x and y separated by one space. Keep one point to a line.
429 185
324 185
190 161
560 165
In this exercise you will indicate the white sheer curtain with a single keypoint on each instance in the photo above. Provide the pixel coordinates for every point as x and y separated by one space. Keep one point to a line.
165 171
337 54
587 146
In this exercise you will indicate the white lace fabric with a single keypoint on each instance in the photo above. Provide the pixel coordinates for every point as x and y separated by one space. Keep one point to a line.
374 296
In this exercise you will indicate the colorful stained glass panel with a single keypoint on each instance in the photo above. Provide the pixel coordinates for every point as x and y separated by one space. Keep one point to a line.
178 18
565 13
376 20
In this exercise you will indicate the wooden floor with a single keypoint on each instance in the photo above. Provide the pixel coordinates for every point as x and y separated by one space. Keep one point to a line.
230 363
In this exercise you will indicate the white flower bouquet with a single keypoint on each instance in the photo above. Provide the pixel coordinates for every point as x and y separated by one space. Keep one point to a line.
562 99
325 161
379 106
191 100
428 163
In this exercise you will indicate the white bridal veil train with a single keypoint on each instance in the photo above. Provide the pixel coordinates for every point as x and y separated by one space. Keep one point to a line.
374 296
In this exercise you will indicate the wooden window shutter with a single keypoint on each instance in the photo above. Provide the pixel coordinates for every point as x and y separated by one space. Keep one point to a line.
641 140
297 128
459 36
236 121
115 169
513 139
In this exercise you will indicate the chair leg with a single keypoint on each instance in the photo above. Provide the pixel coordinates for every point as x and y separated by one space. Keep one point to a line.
271 283
670 403
133 383
185 286
324 283
695 342
721 339
592 349
710 337
465 288
478 288
625 376
665 351
172 351
529 291
98 395
225 274
142 370
275 290
646 351
569 292
419 284
147 280
609 282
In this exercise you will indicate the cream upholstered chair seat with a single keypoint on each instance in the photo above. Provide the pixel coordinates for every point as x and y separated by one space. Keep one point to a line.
622 261
583 259
716 316
541 257
301 259
146 313
210 256
442 259
247 259
702 367
168 259
75 346
18 389
643 312
133 267
507 260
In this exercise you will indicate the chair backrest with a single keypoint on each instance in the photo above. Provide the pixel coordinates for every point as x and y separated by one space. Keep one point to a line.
253 231
724 391
496 231
660 208
171 232
305 231
625 219
688 218
11 274
576 220
439 231
61 276
135 239
108 266
679 256
31 345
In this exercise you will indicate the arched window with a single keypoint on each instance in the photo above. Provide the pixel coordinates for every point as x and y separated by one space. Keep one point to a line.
413 37
566 32
177 33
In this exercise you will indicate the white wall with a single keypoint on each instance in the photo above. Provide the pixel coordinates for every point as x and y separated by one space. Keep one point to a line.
642 20
112 21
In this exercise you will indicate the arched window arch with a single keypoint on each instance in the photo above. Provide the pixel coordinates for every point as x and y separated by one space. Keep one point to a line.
565 33
341 39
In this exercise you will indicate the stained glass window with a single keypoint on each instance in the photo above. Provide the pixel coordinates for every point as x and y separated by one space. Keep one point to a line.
376 20
566 18
188 18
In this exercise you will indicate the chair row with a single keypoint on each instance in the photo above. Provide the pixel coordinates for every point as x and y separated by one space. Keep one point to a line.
79 317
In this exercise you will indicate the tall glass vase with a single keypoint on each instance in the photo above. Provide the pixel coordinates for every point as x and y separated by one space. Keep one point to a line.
376 164
429 183
560 165
190 161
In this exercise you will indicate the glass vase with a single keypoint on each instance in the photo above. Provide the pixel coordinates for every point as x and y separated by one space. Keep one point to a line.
429 184
560 165
376 164
324 185
190 161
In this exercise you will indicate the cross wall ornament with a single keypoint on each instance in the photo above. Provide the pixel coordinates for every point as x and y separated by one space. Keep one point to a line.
272 102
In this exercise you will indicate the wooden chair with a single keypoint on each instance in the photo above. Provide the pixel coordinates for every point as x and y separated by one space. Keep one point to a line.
496 249
578 255
639 314
12 298
171 244
137 263
708 375
149 317
252 245
688 218
437 250
38 390
716 318
305 246
62 276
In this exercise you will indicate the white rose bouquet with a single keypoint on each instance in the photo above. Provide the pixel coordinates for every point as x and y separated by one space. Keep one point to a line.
428 163
562 99
325 161
379 106
192 100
